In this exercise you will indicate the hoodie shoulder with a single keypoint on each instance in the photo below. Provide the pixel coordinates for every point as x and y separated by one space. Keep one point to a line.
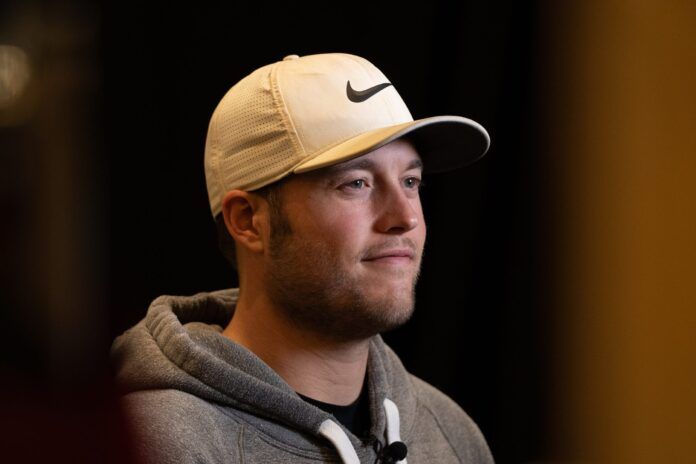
166 427
456 425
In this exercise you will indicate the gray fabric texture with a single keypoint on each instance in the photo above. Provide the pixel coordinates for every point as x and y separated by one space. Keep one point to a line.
192 395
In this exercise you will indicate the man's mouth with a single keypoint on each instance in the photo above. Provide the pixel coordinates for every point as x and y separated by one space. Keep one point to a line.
395 256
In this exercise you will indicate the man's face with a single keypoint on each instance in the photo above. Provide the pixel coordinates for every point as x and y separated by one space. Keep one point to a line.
345 250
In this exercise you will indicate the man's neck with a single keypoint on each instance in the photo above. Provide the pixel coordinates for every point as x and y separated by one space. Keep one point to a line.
313 365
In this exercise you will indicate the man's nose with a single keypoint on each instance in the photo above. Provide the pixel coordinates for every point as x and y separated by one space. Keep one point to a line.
397 212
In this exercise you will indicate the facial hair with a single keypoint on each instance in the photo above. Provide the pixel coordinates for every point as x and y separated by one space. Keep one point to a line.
310 285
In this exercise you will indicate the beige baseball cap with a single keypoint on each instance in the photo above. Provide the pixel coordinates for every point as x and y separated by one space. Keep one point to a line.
304 113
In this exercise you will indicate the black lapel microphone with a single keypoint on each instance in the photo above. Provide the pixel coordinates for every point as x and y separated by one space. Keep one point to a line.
393 452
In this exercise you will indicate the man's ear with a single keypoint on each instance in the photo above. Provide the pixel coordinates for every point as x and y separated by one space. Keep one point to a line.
244 219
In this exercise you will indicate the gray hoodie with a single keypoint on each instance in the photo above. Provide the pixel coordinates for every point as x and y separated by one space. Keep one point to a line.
194 396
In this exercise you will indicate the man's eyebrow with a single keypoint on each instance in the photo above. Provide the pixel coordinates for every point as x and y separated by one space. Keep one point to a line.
357 163
366 164
415 163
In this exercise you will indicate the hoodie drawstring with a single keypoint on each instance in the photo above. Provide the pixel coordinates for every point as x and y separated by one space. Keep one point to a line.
395 451
340 440
335 434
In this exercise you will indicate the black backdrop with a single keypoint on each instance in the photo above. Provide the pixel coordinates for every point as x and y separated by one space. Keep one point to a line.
480 329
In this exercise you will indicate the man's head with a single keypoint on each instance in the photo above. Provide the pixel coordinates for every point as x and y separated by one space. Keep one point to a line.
340 252
313 166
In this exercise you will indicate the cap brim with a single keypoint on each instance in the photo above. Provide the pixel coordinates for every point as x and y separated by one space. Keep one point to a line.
443 142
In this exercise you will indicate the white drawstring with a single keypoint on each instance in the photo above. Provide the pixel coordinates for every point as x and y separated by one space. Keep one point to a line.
335 434
340 440
393 423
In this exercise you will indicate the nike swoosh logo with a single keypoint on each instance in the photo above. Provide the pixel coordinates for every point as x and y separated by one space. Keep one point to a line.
358 96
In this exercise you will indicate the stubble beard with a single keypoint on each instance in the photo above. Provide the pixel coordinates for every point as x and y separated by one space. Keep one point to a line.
315 293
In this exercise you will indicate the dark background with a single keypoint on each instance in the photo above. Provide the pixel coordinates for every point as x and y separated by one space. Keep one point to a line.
142 82
478 333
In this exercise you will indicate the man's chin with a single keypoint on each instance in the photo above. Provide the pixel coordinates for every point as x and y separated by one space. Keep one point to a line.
392 296
367 318
392 314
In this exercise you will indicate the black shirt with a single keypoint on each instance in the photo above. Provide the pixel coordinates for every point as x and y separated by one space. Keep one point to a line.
355 417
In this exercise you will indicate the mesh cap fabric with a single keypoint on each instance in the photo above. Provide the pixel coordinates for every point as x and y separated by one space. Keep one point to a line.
304 113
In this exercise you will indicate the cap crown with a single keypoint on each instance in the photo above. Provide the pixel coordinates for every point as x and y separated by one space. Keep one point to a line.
288 112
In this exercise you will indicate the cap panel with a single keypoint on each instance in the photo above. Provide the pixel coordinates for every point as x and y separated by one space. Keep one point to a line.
314 90
299 149
248 139
375 75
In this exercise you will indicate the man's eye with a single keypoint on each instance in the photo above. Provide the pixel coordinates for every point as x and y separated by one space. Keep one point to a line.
356 184
413 182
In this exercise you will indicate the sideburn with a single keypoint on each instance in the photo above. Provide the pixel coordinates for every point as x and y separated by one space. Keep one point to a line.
280 223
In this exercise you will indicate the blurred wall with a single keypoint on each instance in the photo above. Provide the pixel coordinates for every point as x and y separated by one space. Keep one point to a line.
55 395
54 195
622 149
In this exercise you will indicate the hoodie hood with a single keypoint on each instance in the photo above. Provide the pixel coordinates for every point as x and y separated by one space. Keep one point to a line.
179 345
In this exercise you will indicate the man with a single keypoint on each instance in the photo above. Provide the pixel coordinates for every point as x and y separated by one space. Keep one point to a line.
313 166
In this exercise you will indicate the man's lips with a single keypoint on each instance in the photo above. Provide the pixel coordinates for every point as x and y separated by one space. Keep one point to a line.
400 255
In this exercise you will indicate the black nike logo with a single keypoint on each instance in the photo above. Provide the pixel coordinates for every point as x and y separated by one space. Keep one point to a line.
358 96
